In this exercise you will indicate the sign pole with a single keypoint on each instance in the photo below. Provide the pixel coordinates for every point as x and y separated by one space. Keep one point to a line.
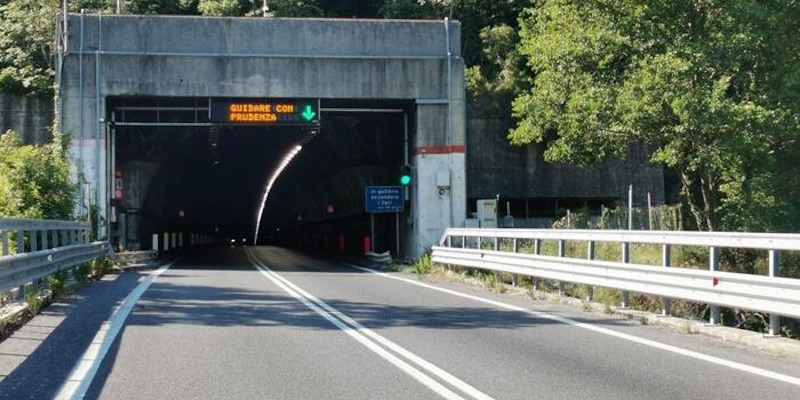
372 232
397 233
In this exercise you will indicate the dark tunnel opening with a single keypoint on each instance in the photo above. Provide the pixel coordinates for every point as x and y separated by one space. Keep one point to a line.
176 172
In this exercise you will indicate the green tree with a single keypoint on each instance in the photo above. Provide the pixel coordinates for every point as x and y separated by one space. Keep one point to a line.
181 7
34 180
492 85
26 42
711 87
26 45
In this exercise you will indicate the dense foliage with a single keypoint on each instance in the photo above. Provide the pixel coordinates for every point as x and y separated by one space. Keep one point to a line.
34 180
712 86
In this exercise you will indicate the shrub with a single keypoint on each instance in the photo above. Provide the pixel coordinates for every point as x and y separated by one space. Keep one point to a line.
424 265
56 282
81 273
32 300
100 267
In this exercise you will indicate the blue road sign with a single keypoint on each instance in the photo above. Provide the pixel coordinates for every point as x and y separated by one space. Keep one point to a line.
384 199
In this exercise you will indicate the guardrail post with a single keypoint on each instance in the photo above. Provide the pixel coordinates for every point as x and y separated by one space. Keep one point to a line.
34 240
713 265
463 242
64 238
561 253
590 256
666 262
449 244
20 242
54 238
479 242
165 239
45 245
496 248
537 250
774 271
626 258
5 243
514 248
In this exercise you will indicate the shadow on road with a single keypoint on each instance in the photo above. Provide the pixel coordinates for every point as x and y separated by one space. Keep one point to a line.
55 339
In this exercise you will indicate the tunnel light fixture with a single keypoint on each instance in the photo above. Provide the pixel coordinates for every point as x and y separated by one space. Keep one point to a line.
287 159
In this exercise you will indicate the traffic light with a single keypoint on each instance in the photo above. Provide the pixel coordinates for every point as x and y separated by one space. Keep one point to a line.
405 175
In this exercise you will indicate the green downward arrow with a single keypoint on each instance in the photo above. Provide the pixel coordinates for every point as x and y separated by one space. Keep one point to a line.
308 113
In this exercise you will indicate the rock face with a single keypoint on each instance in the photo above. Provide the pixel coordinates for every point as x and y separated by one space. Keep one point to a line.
30 116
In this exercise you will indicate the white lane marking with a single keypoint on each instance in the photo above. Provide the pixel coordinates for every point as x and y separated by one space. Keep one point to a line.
357 335
419 361
85 370
646 342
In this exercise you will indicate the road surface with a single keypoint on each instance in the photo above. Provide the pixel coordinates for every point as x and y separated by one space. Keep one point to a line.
267 322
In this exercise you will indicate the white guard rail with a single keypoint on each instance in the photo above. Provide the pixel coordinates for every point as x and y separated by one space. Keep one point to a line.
42 248
771 294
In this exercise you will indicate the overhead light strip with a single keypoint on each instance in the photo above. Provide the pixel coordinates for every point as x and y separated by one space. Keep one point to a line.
275 175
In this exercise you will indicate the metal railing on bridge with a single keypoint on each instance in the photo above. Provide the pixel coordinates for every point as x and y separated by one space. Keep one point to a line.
34 249
499 250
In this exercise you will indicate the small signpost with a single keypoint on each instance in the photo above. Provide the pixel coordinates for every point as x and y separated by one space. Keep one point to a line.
382 200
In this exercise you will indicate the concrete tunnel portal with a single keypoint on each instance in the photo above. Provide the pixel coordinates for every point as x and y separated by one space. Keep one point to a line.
176 171
131 91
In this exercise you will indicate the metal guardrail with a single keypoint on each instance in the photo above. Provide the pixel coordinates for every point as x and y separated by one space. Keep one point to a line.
33 235
771 294
21 269
42 248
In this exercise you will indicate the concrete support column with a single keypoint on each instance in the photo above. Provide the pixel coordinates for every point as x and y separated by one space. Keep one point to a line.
439 175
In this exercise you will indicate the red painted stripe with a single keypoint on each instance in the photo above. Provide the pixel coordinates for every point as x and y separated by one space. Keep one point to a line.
459 148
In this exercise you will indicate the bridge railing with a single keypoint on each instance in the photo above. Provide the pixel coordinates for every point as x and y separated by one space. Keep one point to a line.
778 296
34 249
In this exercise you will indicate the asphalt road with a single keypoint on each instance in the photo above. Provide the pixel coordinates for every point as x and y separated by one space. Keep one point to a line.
272 323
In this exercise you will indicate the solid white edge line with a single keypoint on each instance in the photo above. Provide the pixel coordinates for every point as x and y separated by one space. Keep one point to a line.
437 387
646 342
419 361
86 368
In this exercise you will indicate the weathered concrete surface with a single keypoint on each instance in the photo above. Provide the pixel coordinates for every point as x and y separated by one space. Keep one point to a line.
496 167
254 57
30 116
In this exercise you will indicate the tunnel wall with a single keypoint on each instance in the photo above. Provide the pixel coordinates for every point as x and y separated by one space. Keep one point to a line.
124 55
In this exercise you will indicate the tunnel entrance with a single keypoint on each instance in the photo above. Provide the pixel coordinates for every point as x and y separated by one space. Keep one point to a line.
413 66
177 170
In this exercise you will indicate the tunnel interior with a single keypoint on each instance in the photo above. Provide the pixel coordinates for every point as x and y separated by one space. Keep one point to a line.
175 171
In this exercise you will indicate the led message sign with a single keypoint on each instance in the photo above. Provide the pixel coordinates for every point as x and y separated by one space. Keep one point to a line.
299 112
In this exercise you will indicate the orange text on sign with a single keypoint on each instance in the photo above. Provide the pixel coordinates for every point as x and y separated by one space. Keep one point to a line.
258 112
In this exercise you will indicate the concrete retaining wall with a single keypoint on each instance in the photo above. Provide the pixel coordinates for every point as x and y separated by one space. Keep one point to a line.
30 116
